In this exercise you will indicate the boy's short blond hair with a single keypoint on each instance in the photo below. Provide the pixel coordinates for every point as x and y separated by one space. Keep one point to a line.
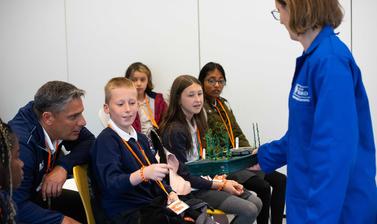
117 82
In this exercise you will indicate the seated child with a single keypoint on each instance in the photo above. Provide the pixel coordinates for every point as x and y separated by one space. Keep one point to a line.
151 104
125 170
181 130
11 173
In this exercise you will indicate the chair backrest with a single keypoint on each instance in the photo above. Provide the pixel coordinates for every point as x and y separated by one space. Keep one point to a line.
81 178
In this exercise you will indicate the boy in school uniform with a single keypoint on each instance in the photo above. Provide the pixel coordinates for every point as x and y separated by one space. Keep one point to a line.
125 170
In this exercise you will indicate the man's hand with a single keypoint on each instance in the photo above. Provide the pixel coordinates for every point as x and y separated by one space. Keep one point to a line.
53 183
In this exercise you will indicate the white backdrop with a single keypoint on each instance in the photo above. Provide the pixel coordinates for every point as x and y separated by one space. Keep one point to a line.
87 42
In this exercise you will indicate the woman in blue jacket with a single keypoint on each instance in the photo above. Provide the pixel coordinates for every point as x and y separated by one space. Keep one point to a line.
329 146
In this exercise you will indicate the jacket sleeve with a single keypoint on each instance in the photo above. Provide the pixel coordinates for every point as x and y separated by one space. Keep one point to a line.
79 150
176 144
273 155
334 141
106 154
28 211
160 108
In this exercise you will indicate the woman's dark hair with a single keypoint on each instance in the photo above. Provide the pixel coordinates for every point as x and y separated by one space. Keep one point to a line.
7 142
210 67
175 114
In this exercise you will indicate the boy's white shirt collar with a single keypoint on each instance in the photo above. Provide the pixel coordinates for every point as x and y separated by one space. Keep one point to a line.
49 142
124 135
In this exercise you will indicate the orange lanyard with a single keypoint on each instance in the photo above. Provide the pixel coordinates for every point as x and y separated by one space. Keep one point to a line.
141 163
49 158
200 144
159 183
150 113
228 128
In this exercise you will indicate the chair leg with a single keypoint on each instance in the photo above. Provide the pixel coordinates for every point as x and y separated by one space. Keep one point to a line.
221 218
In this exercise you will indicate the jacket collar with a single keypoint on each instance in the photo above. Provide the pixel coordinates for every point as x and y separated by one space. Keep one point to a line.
325 32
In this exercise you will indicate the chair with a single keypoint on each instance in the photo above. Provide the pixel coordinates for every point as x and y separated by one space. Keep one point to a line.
82 182
218 215
215 212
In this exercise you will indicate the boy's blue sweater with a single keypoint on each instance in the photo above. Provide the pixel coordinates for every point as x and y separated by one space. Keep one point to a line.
112 165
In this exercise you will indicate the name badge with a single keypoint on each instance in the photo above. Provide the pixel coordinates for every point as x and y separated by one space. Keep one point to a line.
178 206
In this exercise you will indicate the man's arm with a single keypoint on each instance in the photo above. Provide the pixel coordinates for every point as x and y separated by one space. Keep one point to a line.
28 211
79 151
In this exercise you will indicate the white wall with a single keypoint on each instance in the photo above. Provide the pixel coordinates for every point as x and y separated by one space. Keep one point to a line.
32 50
364 37
104 37
87 42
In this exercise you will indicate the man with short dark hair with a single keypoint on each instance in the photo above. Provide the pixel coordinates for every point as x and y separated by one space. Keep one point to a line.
52 140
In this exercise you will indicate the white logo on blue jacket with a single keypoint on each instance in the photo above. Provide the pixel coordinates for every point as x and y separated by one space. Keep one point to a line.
301 93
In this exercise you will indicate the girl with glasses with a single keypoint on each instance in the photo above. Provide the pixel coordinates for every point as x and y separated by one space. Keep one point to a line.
221 118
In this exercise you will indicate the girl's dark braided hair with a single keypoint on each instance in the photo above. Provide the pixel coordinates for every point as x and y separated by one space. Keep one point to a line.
8 211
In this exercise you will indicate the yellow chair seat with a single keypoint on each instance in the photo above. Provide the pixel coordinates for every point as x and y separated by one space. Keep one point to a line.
215 212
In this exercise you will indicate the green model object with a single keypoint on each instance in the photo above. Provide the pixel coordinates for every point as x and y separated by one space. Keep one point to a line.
240 159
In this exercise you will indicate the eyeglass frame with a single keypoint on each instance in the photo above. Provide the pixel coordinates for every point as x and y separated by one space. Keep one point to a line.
212 82
276 14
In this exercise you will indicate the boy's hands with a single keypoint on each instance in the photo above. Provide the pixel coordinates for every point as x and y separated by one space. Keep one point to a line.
172 197
156 171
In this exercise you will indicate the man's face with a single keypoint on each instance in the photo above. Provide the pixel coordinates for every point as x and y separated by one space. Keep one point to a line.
67 124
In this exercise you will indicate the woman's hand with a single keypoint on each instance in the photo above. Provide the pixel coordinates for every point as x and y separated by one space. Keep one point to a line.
255 167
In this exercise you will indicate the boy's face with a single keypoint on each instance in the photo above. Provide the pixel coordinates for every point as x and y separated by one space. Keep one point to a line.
122 107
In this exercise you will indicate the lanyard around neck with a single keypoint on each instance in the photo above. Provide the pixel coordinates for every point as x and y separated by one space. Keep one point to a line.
200 144
51 158
159 183
228 125
150 113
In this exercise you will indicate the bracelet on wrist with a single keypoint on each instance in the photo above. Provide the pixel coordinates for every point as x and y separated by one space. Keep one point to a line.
142 174
221 187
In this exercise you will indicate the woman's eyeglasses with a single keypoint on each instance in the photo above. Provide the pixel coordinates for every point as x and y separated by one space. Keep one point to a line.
276 14
213 82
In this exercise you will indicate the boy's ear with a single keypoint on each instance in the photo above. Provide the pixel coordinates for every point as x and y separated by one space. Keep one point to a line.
106 108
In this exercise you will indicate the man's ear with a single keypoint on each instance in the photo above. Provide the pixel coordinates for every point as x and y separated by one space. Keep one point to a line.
47 118
106 108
